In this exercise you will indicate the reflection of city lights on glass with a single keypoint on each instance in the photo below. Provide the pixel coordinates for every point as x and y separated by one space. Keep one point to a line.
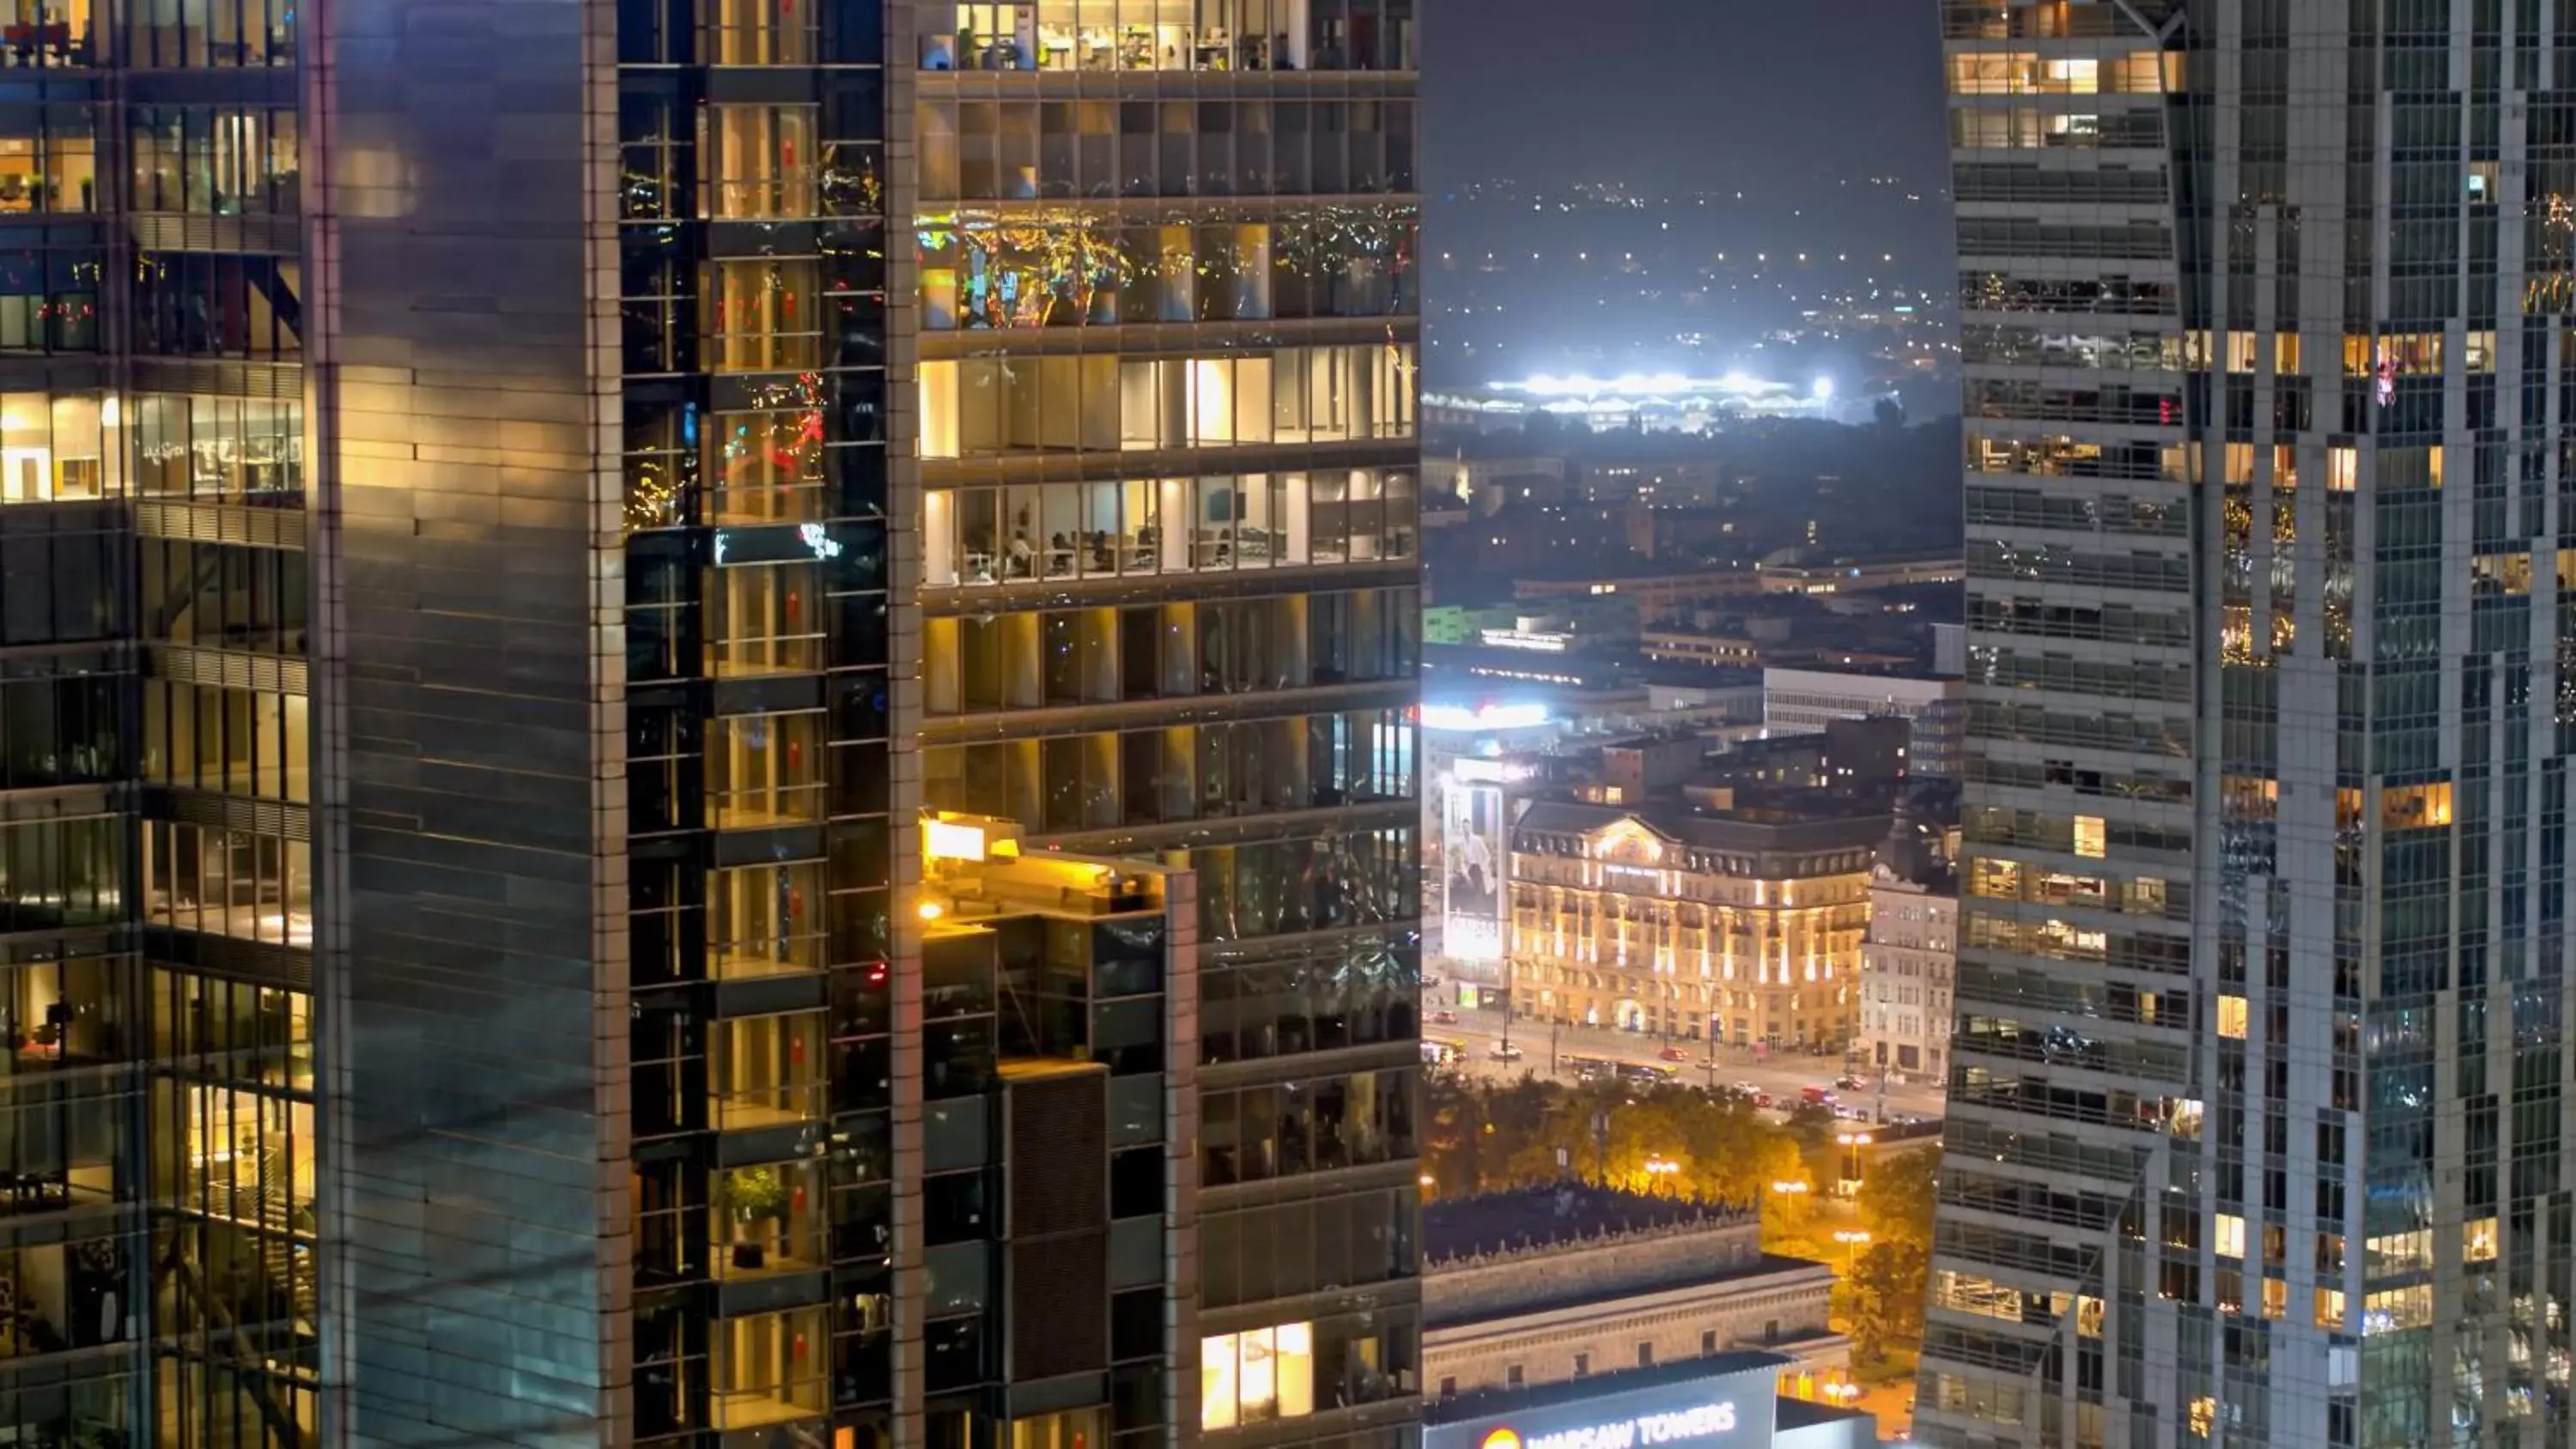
824 546
1483 717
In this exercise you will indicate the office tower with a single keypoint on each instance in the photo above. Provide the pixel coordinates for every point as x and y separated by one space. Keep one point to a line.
2256 1090
479 970
1167 339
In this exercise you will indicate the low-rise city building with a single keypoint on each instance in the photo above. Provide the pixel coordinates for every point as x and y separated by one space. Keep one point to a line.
1802 701
1554 1284
1802 571
1911 955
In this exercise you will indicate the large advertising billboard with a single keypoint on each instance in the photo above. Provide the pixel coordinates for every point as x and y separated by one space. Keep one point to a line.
1473 867
1725 1410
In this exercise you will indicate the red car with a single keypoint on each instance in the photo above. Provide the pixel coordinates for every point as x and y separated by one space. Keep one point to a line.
1444 1018
1674 1054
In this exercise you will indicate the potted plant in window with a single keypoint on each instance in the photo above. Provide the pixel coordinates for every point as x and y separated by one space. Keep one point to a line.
753 1196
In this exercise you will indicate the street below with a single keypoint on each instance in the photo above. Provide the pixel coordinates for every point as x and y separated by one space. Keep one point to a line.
1555 1052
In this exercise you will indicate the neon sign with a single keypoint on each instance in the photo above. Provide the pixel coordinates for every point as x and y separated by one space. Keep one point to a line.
1641 1432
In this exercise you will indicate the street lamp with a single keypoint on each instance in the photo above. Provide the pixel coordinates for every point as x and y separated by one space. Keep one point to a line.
1852 1143
1853 1240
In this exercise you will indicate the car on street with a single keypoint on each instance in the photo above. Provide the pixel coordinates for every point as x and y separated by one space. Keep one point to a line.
1444 1018
1850 1083
1506 1052
1815 1096
1674 1054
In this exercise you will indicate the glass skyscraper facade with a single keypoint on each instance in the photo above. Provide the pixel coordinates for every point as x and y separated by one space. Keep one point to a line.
1167 340
2256 1128
554 888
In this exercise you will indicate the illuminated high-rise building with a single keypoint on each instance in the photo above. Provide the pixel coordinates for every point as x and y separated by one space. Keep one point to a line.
1167 340
523 918
2256 1090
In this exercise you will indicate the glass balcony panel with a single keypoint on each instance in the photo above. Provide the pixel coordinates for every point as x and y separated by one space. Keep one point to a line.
766 1071
757 32
763 161
1165 35
764 315
765 465
764 921
770 1368
764 620
765 771
768 1219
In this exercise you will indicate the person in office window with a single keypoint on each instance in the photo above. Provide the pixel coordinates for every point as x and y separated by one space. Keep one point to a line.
1021 554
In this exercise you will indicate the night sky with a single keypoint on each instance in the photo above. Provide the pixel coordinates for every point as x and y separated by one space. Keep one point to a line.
1681 93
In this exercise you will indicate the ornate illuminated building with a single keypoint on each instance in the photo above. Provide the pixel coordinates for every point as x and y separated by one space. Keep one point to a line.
1691 926
510 513
2257 1086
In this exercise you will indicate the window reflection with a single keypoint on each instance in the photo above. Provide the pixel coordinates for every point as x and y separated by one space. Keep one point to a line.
232 1029
1166 35
769 1369
1070 268
766 1071
768 1219
1161 651
764 620
765 771
224 596
216 161
49 300
757 32
764 920
764 315
239 741
202 33
984 406
47 32
243 1156
766 465
56 873
58 448
62 1296
49 161
214 448
62 1153
761 161
223 304
60 731
62 1013
228 882
1168 525
1183 773
973 149
1315 1125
